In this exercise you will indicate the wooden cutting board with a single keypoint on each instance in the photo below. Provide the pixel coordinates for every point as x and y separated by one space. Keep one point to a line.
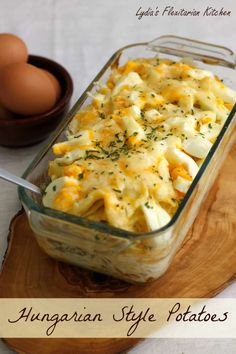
204 266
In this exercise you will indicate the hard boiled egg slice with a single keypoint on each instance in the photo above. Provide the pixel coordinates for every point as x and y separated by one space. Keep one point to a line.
205 117
199 74
134 97
133 128
182 126
181 184
98 100
70 157
211 131
75 142
134 111
197 146
131 79
61 193
152 115
155 215
177 157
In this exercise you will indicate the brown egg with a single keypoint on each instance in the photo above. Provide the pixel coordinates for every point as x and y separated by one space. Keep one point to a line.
55 83
26 90
12 50
5 114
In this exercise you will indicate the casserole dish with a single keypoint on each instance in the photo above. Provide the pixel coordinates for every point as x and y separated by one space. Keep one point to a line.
131 256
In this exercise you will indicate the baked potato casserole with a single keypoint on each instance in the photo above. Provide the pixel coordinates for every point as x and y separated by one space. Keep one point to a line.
133 152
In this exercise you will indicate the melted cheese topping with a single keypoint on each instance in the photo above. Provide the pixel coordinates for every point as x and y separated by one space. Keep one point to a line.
132 154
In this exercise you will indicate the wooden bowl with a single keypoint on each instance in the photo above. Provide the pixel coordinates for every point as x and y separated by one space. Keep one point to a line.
21 130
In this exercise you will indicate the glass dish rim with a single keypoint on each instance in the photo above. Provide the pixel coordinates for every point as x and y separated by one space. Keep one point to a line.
97 225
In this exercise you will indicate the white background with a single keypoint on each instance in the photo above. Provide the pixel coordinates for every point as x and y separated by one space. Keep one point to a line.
82 35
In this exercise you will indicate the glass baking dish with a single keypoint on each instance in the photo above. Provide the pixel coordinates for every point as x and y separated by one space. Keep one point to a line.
133 257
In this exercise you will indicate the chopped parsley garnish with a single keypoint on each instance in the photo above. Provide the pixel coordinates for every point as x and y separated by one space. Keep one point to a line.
114 155
101 115
90 155
118 138
112 144
80 176
147 205
104 151
152 134
116 190
142 114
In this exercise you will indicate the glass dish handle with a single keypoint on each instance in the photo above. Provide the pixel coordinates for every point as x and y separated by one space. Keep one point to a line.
208 53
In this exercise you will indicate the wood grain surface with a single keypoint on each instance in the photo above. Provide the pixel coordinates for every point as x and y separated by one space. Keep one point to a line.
205 264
